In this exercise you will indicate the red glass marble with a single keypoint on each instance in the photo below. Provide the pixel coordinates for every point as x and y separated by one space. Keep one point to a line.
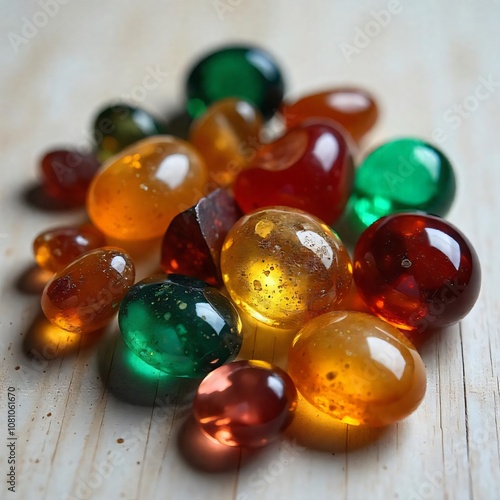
246 403
416 271
354 109
55 248
66 175
309 168
193 240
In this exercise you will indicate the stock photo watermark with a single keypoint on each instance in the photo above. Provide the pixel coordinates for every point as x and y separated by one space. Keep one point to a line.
223 7
30 27
456 114
363 36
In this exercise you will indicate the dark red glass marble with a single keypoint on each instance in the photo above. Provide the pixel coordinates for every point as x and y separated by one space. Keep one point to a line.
66 175
193 240
309 168
246 403
416 271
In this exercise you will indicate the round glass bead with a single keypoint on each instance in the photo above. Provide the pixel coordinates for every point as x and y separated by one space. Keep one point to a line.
357 368
85 295
354 109
139 191
309 168
243 72
55 248
227 136
246 403
119 126
416 271
401 175
284 266
180 325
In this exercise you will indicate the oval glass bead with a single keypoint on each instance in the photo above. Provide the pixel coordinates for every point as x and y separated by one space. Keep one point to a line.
119 126
357 368
401 175
309 168
244 72
352 108
284 266
180 325
55 248
138 192
85 295
66 175
227 136
245 403
416 271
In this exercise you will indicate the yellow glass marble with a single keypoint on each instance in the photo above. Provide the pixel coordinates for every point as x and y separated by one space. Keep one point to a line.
284 266
227 136
138 192
357 368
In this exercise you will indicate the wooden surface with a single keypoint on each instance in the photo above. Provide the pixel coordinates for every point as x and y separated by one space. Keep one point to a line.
86 426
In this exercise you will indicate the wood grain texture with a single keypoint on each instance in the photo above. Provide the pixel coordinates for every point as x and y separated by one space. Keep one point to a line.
76 401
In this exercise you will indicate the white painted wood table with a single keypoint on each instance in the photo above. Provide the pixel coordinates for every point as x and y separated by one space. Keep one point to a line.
85 427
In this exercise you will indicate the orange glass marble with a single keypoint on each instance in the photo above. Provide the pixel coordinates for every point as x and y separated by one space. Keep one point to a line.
86 295
284 266
227 136
357 368
139 191
55 248
354 109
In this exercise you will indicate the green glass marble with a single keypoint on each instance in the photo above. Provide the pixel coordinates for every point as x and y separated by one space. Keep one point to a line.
180 325
401 175
245 72
120 125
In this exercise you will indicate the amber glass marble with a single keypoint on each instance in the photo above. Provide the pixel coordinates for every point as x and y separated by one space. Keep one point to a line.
66 175
55 248
357 368
354 109
416 271
309 168
284 266
138 192
85 296
193 241
246 403
227 136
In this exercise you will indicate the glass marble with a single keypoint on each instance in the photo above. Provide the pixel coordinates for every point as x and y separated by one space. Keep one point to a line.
403 174
284 266
66 175
55 248
193 242
85 295
357 368
244 72
352 108
416 271
227 136
246 403
138 192
309 168
180 325
119 126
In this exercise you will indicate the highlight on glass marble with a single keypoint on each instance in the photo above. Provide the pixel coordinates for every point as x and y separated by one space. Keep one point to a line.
284 266
139 191
180 325
417 271
247 403
357 368
85 295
